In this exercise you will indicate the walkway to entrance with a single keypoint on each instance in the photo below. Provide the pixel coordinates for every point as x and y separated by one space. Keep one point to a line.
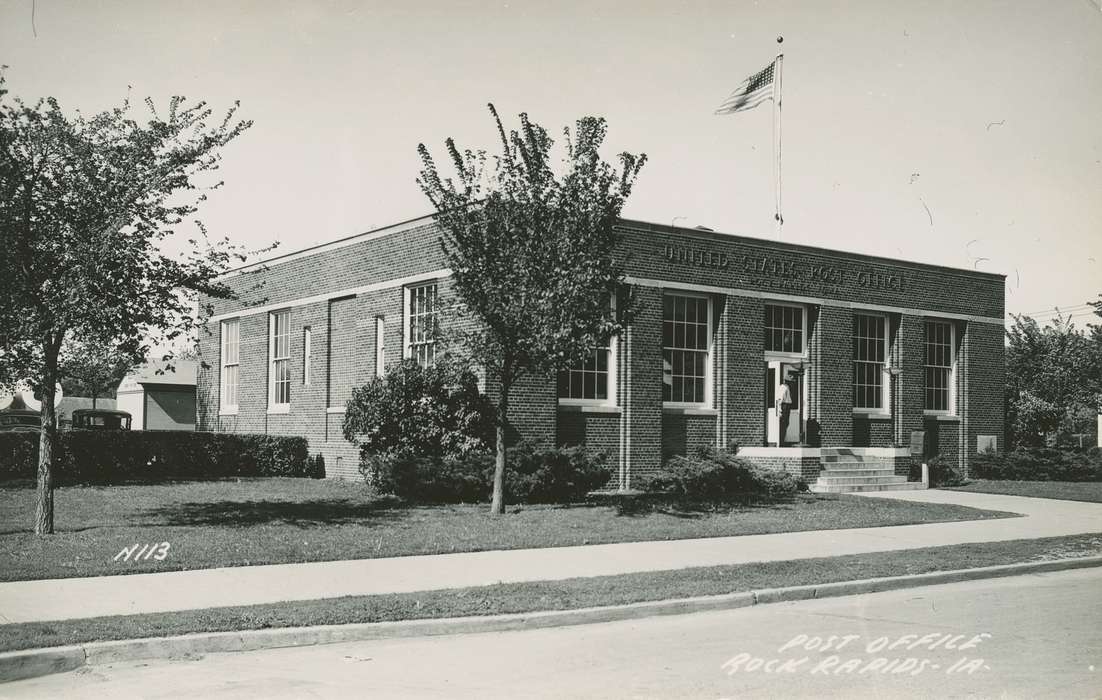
60 599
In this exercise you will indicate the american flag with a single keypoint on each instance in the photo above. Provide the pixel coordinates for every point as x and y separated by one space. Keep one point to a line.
752 92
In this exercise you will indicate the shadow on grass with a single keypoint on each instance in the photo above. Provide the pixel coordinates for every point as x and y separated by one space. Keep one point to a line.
331 511
695 510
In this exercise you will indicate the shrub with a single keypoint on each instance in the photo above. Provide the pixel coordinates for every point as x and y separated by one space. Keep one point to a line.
539 474
415 411
711 477
430 479
536 475
107 457
942 472
1040 464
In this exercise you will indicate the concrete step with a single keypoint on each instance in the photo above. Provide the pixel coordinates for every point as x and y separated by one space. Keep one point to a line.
864 479
857 474
830 459
857 465
860 488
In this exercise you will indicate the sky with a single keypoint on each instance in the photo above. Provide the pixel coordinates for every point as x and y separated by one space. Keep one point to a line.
956 133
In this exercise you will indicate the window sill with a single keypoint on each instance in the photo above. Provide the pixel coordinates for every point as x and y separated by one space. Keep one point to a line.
279 408
870 414
335 409
934 415
227 411
689 411
780 356
588 408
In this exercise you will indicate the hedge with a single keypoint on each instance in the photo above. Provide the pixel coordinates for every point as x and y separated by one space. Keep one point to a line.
104 457
534 474
1039 464
712 477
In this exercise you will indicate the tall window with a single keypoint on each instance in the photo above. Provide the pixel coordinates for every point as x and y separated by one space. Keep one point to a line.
231 358
306 343
939 366
589 379
421 323
279 350
784 328
870 353
685 342
380 346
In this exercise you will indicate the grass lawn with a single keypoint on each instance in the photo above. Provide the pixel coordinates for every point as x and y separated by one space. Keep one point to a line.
549 595
269 521
1065 490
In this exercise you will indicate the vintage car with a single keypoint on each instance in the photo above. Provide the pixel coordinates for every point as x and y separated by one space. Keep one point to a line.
100 419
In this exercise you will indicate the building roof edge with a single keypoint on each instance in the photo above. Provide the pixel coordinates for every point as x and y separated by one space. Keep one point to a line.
766 243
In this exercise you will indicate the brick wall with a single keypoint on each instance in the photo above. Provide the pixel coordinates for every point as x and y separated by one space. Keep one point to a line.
745 409
343 340
645 452
986 379
807 468
598 431
685 434
833 376
723 260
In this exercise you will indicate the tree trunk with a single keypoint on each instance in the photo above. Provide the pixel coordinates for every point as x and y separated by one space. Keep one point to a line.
497 504
44 508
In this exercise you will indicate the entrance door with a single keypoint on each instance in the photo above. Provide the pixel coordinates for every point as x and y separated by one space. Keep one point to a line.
791 375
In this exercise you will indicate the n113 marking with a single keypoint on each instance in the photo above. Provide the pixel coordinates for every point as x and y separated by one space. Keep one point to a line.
156 550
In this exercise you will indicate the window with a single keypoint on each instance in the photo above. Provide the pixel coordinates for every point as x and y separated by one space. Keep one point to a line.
589 379
231 357
870 358
380 346
686 337
421 323
279 350
306 355
939 366
784 329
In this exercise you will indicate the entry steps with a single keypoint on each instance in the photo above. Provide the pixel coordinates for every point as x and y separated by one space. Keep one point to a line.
851 470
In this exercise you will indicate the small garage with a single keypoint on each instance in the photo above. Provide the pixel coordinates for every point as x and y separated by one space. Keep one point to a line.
160 396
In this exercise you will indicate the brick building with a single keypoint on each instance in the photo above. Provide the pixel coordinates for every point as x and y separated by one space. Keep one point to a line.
787 350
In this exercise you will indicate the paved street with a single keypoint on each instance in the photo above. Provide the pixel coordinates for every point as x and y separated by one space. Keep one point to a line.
1024 637
61 599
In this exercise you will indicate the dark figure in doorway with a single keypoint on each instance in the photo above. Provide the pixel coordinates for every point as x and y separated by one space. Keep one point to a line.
784 403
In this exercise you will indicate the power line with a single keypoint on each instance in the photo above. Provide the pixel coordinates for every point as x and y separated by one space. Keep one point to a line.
1058 309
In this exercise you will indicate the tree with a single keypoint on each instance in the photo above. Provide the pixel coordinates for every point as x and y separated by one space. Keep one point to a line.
86 203
532 252
1054 379
93 369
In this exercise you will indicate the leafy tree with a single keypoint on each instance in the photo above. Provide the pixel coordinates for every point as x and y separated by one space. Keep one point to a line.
93 369
531 251
86 204
1054 379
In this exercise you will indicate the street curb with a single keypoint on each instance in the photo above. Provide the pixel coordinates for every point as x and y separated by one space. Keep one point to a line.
31 663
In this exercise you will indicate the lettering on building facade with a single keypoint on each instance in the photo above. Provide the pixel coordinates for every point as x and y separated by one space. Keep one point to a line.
777 272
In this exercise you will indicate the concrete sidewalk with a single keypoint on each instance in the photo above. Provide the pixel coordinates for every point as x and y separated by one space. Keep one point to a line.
61 599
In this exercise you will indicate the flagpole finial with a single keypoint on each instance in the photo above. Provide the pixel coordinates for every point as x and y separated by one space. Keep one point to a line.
780 40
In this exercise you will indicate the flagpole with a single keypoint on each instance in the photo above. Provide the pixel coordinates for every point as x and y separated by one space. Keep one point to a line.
778 217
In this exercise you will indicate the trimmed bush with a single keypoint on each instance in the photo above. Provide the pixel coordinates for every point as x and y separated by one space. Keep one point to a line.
538 474
1040 464
535 474
711 477
430 479
416 411
107 457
